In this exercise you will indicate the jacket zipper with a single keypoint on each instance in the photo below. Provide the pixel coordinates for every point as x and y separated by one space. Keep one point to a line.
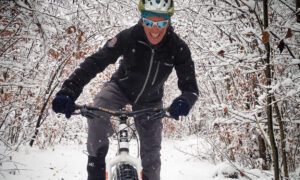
155 75
123 79
148 74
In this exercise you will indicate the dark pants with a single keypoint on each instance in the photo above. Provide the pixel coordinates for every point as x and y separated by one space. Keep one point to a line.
149 132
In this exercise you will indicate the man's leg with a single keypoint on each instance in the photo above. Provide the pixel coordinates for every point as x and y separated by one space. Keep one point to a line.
150 132
100 129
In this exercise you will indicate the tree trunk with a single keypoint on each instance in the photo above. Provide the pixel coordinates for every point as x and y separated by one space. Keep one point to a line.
262 152
269 98
38 124
297 10
49 92
282 140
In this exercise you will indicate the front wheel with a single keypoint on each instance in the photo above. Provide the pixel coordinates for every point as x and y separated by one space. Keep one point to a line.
125 172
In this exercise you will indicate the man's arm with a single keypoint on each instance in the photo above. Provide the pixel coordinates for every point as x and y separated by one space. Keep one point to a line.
92 65
185 71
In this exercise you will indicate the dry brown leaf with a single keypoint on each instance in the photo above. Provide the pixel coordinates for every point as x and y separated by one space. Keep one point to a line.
71 29
221 53
266 37
5 75
53 53
289 33
226 110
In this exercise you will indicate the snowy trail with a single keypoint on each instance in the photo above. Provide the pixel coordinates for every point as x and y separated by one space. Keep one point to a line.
69 162
178 166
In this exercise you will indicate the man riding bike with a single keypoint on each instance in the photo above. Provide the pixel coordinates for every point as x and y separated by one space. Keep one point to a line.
150 50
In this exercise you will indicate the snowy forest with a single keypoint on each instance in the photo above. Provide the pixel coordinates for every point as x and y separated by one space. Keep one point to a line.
247 60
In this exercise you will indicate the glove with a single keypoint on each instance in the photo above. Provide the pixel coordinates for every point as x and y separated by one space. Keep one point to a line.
178 108
63 104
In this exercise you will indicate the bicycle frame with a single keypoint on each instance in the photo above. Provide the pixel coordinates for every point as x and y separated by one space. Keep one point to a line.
123 155
123 151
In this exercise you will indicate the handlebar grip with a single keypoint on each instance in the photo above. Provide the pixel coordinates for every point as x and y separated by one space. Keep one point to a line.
76 106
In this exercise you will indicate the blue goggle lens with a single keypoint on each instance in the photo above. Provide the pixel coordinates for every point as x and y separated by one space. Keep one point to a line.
162 24
159 24
148 23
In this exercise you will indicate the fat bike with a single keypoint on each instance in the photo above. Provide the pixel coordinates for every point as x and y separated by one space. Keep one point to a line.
123 166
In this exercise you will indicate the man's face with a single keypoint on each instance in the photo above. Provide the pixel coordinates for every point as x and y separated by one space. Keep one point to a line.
155 31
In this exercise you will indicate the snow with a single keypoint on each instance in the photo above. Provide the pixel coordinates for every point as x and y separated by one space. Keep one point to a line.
295 61
292 92
287 82
250 3
29 71
69 162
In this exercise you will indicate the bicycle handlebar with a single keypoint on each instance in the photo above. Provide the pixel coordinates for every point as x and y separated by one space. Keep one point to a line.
93 112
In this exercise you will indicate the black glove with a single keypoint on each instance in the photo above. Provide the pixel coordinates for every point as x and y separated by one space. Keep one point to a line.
178 108
63 104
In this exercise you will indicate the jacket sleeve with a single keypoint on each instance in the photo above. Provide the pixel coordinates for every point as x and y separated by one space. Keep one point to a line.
185 71
93 65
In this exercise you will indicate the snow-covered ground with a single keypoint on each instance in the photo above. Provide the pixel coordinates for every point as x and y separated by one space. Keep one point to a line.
64 162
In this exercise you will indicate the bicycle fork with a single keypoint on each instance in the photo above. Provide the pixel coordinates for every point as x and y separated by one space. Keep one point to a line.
123 152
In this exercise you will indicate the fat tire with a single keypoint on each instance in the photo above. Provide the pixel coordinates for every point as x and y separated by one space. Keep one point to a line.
125 172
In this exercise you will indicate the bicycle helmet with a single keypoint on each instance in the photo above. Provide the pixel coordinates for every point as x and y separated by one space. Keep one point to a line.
157 6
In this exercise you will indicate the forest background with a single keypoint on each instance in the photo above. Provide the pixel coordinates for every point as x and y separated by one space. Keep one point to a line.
247 59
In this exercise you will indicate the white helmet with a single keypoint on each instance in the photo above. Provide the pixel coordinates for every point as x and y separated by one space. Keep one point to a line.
157 6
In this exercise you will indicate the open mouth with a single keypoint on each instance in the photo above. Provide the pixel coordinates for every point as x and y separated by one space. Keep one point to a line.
155 35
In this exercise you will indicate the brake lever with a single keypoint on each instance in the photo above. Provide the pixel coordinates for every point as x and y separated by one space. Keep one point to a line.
158 115
84 111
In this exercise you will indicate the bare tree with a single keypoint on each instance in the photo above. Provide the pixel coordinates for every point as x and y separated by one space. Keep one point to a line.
270 95
297 10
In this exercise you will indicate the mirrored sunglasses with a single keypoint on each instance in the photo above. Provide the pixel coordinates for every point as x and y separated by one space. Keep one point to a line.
159 24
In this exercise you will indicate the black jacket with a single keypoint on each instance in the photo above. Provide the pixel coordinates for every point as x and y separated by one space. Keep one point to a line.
143 69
